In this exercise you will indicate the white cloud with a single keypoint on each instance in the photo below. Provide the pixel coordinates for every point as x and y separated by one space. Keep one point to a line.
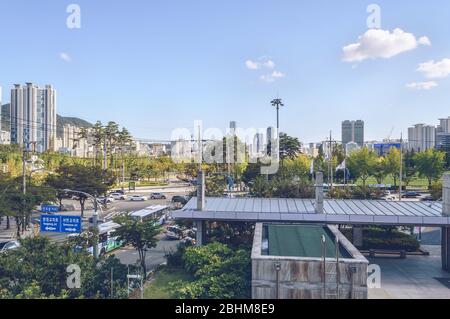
269 64
422 85
272 77
435 70
65 57
262 62
252 65
377 43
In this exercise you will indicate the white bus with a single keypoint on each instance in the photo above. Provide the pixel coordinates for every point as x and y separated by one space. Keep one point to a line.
158 212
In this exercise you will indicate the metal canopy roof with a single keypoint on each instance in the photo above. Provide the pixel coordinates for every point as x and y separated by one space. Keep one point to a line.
303 210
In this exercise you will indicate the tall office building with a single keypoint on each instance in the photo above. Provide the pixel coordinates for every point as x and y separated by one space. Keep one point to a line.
443 134
421 137
33 116
353 131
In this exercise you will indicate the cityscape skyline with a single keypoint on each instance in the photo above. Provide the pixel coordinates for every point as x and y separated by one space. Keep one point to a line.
282 59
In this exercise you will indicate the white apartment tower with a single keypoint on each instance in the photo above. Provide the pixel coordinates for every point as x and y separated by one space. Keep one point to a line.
33 116
421 137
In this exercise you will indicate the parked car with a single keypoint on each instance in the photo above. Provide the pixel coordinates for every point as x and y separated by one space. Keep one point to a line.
157 196
411 195
9 245
118 196
428 198
105 200
137 198
180 199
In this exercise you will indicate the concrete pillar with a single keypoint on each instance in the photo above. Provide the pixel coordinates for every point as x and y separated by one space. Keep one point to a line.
200 225
319 193
445 243
201 190
357 236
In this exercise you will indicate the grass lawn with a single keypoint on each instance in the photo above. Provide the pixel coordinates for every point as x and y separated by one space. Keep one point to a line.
158 288
416 182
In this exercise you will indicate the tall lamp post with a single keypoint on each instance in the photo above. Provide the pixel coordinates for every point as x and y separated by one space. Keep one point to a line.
277 103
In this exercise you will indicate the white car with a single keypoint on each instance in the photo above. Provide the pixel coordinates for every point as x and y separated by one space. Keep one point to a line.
118 196
137 198
9 245
105 200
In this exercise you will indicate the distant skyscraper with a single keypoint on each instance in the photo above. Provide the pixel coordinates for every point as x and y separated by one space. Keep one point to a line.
33 116
258 143
421 137
353 131
443 133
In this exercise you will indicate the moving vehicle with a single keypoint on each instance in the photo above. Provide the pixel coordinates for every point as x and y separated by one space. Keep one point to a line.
157 212
105 200
180 199
411 195
8 245
107 240
157 196
174 233
118 196
137 198
118 191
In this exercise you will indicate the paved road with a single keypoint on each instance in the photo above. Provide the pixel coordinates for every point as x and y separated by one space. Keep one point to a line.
128 255
154 258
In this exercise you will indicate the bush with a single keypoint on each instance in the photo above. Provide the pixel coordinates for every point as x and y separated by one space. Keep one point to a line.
385 238
219 271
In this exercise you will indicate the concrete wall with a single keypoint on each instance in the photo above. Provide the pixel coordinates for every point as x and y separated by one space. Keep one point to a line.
303 277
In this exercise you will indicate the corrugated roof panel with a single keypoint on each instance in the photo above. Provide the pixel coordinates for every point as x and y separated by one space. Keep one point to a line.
350 207
292 208
337 209
309 204
391 210
258 205
363 208
419 209
328 209
434 208
404 207
282 203
374 207
265 206
249 205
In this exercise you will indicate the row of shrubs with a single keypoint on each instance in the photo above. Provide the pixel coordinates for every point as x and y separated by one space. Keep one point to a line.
385 238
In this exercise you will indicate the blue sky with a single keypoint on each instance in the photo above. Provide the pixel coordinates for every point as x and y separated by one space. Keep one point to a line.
154 65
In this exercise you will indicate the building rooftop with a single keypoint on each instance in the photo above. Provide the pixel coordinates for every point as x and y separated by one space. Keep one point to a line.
303 210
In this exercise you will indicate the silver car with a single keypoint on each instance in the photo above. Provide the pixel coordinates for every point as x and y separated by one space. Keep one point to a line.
9 245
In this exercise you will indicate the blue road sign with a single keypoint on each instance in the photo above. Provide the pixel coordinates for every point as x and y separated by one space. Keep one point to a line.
49 209
60 224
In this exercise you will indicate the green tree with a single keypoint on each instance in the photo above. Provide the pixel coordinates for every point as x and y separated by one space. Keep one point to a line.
38 269
361 164
392 164
379 170
289 146
90 180
430 164
219 271
141 235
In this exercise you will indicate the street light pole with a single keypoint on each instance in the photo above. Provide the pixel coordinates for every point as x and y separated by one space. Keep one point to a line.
94 217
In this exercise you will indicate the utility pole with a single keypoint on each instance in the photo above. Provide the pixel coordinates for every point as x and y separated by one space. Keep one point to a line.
105 164
95 223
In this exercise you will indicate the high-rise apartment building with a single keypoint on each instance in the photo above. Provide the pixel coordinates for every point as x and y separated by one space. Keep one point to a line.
353 131
33 116
421 137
